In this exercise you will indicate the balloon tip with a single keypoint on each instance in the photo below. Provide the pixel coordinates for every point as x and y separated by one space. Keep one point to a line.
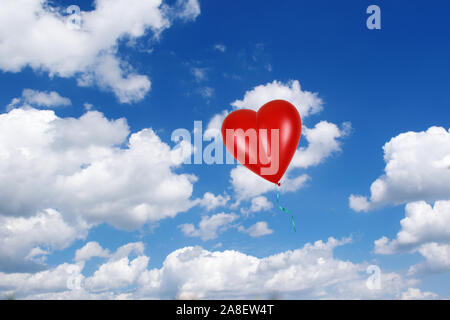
279 184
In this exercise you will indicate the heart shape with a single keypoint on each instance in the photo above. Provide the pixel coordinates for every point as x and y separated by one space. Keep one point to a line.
264 141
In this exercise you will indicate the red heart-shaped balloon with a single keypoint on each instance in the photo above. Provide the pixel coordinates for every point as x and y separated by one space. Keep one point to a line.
264 141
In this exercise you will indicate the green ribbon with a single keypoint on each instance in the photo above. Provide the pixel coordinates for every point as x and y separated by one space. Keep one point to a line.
285 210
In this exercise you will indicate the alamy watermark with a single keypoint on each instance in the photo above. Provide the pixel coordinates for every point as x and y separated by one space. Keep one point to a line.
74 21
75 281
374 20
373 282
250 146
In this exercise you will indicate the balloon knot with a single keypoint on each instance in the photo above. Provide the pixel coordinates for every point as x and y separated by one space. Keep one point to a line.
279 184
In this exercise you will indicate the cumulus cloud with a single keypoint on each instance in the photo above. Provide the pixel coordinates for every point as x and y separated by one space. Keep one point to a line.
437 259
257 230
311 271
22 285
211 201
424 230
422 224
85 172
209 226
416 169
417 294
308 272
306 102
90 170
39 99
119 271
90 250
323 141
36 34
259 203
21 238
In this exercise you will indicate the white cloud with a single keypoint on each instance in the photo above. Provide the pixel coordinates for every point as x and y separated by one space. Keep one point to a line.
257 230
25 284
220 47
193 272
187 10
417 294
39 99
247 185
323 141
306 102
422 224
259 203
437 259
35 34
211 201
308 272
90 250
109 75
21 238
84 172
209 226
359 203
424 230
416 169
119 271
77 166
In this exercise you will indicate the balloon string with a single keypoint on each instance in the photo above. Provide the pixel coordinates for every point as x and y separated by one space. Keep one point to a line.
285 210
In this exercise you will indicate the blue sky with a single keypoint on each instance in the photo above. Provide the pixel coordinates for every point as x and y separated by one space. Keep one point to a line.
206 56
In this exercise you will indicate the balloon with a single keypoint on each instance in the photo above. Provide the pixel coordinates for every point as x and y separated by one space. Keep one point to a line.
264 141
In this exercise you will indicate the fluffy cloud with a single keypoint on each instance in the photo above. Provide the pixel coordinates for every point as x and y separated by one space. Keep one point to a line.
425 230
422 224
258 204
119 271
417 168
437 259
417 294
306 102
211 201
209 227
66 281
21 238
39 99
87 169
257 230
35 34
84 172
54 280
193 272
90 250
323 141
308 272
